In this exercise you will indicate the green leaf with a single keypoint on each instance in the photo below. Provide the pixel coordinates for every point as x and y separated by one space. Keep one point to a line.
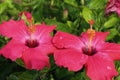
69 23
20 62
87 14
9 3
26 75
6 67
12 77
113 33
81 75
95 4
59 26
111 22
3 6
71 2
117 78
63 74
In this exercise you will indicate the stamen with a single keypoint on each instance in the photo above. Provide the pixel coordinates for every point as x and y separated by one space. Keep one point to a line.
91 34
32 28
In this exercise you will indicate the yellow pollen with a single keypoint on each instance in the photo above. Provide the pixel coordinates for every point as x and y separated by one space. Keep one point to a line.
91 34
91 31
32 28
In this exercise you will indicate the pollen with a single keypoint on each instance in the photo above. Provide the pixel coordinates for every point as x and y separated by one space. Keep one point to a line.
32 28
91 33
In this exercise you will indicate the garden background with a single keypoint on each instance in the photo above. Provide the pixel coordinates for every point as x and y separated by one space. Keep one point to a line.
70 16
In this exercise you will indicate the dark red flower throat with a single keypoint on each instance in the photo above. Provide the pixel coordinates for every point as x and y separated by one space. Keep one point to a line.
89 52
31 43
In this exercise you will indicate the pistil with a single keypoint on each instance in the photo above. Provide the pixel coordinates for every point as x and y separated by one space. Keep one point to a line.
31 29
91 34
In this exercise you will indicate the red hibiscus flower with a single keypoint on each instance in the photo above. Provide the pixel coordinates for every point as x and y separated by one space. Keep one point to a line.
113 6
89 50
30 43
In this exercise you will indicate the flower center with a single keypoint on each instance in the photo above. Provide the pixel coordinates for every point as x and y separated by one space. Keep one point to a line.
31 43
89 52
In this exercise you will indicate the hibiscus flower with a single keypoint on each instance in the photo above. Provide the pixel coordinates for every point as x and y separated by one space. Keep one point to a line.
89 50
113 6
30 43
27 14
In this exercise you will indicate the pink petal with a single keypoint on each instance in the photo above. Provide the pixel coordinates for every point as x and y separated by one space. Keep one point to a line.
100 67
43 35
13 50
28 15
97 40
43 32
113 6
118 12
99 36
66 40
109 8
70 58
14 29
34 59
46 48
112 49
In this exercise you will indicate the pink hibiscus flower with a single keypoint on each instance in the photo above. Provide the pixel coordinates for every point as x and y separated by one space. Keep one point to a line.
89 50
113 6
32 44
27 14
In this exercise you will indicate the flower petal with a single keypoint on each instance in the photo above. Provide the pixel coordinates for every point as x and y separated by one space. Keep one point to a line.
110 7
13 50
66 40
14 29
28 15
42 32
46 48
97 40
44 37
100 36
113 6
100 67
34 59
112 49
70 58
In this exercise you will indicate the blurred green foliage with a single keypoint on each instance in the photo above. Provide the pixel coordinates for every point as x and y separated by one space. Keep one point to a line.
70 16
